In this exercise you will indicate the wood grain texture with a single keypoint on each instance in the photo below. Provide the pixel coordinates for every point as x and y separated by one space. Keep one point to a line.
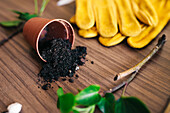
19 66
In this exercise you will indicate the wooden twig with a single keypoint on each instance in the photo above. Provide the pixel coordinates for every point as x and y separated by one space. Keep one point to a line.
122 84
134 70
140 64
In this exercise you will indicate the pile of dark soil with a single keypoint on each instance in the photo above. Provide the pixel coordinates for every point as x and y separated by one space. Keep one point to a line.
62 61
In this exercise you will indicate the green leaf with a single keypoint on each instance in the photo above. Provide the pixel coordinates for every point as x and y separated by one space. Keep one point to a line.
74 111
130 105
88 96
66 102
17 12
106 104
10 23
27 16
60 92
89 109
43 5
58 103
24 16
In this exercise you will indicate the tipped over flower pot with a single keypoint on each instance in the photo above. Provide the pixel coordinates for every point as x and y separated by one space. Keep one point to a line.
37 31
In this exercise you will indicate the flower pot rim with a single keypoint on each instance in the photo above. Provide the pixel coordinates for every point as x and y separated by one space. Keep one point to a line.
61 21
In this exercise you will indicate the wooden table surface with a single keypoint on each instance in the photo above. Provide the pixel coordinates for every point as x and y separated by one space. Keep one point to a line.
19 66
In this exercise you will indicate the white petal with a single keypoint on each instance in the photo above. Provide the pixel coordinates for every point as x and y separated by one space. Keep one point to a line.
64 2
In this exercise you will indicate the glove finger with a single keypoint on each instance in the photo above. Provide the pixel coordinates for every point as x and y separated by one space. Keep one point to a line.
73 20
88 33
128 24
146 36
112 41
145 12
84 14
106 17
158 4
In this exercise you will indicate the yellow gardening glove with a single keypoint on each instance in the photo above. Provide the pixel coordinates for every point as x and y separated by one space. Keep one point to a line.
150 32
109 14
128 24
105 13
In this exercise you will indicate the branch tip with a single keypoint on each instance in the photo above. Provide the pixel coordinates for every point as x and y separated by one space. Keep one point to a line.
116 77
161 40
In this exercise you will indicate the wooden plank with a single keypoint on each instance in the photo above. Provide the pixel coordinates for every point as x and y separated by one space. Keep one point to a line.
19 66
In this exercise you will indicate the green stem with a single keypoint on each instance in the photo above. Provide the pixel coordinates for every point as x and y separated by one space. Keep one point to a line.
36 6
43 6
123 92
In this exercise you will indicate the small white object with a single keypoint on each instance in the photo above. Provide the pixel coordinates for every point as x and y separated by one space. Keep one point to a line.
64 2
77 68
69 71
14 108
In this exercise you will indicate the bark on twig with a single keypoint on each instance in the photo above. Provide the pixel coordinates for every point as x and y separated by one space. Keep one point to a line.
134 70
140 64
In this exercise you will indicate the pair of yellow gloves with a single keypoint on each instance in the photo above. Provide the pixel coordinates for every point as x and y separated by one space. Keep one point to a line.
114 20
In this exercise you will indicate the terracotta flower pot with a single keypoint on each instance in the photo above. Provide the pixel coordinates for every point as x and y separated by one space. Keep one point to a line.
36 28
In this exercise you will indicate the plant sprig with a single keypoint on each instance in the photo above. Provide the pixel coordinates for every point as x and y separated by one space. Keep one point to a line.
22 18
86 101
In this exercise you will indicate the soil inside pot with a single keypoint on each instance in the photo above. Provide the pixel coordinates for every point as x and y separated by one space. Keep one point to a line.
62 61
